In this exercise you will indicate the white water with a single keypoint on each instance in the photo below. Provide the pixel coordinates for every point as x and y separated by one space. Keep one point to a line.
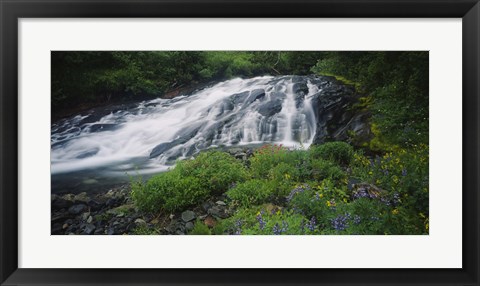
123 140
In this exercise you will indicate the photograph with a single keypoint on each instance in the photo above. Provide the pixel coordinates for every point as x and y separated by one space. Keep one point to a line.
239 142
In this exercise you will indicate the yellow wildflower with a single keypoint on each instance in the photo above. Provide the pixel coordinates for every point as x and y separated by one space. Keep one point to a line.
395 211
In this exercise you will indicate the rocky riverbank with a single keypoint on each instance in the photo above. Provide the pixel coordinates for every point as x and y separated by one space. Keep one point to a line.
114 213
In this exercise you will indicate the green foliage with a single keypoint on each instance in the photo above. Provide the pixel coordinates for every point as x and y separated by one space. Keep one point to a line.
215 170
145 230
266 160
340 153
190 182
252 192
403 171
261 221
169 191
322 169
200 229
393 80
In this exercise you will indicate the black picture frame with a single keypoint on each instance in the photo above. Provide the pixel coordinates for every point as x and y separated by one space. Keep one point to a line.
11 11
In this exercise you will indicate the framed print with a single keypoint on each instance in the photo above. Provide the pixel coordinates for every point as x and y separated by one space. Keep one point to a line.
223 142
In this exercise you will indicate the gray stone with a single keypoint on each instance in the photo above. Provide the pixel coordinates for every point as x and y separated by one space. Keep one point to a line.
85 216
90 219
140 221
89 228
221 203
189 226
77 209
218 212
188 216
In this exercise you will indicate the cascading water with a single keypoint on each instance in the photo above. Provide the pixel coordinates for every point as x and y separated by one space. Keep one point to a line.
149 136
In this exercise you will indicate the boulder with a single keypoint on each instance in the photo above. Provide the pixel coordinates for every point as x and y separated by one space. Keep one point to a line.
188 216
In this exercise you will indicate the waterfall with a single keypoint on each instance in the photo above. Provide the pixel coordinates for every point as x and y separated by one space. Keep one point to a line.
150 135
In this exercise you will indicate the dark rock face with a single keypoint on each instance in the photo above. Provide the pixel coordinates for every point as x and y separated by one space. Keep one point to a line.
335 118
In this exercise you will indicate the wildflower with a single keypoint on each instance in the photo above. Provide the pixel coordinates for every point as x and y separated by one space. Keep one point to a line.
357 219
395 211
404 172
284 226
297 190
260 220
396 199
340 222
385 201
276 229
311 224
238 226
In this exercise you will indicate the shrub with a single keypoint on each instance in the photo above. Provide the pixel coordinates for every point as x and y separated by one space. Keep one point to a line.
216 170
268 157
321 169
200 229
403 172
338 152
252 192
168 191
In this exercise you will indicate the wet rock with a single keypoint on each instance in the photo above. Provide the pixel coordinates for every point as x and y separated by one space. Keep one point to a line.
188 216
95 205
206 206
189 226
85 216
77 209
89 229
218 212
140 222
61 203
57 228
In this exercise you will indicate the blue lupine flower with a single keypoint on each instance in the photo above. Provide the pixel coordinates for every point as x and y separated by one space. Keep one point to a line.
261 222
284 226
374 218
340 222
361 193
404 172
238 225
385 201
396 198
276 229
311 224
297 190
357 219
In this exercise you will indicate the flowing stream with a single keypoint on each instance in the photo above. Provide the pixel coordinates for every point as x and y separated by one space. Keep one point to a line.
102 146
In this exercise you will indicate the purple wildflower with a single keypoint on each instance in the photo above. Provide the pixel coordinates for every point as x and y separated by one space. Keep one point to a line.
297 190
261 222
357 219
396 198
340 222
404 172
385 201
238 225
311 224
276 229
